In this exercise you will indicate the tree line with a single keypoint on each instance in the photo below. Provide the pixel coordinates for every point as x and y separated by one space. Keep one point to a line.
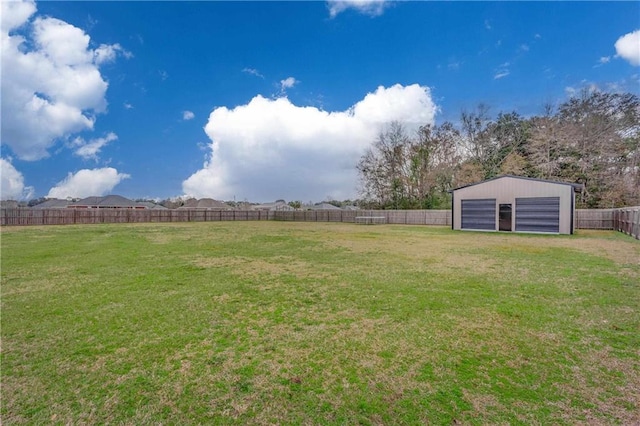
592 138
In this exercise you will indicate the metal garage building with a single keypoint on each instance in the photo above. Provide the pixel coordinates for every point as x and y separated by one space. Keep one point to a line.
513 203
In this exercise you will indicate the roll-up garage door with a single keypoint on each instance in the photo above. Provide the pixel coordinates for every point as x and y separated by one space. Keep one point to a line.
479 214
541 214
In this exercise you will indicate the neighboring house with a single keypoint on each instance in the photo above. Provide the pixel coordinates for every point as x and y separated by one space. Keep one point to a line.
244 205
53 203
279 205
9 204
151 205
205 203
322 206
108 202
514 203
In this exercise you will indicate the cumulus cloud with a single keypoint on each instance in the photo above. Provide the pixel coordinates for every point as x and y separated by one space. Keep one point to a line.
15 14
89 150
108 53
287 83
87 182
628 47
12 183
367 7
270 148
188 115
51 83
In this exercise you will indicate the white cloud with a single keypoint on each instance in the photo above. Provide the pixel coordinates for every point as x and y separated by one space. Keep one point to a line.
127 105
628 47
604 59
87 182
502 71
287 83
12 183
271 148
108 53
15 14
188 115
89 150
367 7
252 71
51 85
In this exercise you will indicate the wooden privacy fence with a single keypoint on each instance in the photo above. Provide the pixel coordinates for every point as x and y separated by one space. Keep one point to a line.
92 216
401 217
595 219
625 219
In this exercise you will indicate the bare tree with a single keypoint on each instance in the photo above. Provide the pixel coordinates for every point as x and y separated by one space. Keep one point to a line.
599 135
400 171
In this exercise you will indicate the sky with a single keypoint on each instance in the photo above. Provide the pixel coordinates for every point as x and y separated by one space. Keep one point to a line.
264 100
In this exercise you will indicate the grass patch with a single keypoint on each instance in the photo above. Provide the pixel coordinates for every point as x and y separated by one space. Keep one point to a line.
306 323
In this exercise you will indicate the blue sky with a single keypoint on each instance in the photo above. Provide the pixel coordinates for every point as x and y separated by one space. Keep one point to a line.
264 100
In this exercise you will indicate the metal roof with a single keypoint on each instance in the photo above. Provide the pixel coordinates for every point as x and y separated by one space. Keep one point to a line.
577 187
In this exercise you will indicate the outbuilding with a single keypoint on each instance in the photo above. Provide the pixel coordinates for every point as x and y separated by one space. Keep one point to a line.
514 203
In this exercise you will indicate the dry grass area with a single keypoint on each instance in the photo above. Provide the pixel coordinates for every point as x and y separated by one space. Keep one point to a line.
316 323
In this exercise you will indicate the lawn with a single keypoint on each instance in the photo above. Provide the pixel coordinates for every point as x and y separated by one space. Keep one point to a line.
317 323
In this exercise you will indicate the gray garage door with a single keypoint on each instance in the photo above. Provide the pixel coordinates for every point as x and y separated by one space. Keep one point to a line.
541 214
479 214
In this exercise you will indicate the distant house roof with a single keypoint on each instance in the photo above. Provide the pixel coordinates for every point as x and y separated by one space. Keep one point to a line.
191 203
9 204
150 205
52 203
108 202
323 206
577 187
205 203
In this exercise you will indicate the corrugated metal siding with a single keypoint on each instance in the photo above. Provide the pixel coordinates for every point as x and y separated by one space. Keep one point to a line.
538 214
479 214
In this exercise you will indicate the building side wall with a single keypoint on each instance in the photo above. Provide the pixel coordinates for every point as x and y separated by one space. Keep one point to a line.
506 190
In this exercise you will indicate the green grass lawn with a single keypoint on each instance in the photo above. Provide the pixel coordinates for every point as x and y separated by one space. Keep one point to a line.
317 323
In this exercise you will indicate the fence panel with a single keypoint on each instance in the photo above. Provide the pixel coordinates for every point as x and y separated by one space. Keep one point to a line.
595 219
627 220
